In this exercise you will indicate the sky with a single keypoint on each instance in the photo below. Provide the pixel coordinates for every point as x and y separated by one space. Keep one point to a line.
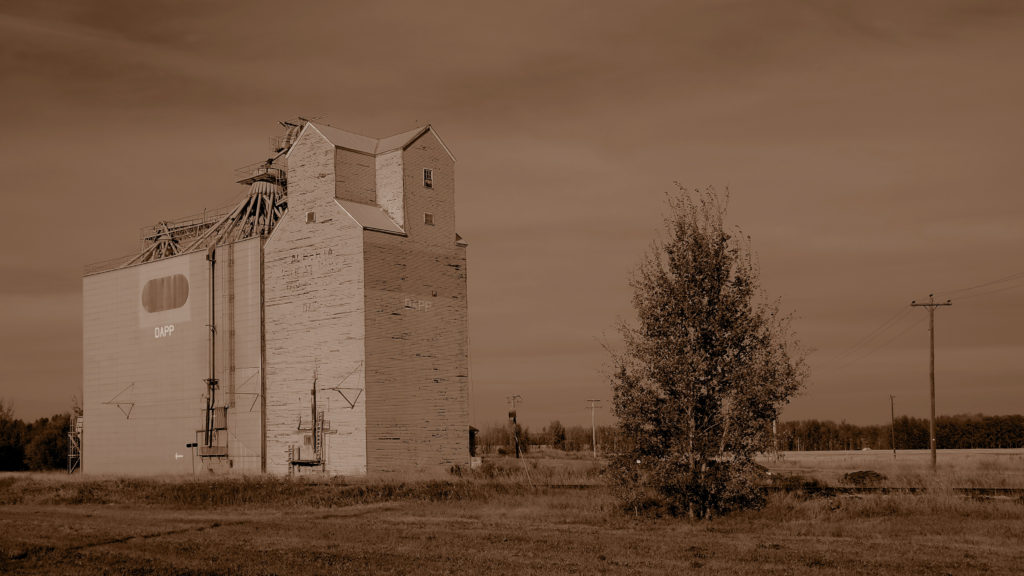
872 150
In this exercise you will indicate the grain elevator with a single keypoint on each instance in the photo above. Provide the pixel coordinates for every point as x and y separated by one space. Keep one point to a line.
319 325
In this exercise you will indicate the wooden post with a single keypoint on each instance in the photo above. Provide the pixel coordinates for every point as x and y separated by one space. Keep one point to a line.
593 425
892 414
931 305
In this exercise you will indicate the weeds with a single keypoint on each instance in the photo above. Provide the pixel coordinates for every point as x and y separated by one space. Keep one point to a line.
802 487
257 491
864 478
492 521
903 491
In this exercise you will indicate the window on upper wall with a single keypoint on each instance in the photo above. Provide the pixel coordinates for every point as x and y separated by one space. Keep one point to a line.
428 219
428 178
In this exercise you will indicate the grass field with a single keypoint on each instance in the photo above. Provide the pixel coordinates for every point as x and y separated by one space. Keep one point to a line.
965 468
507 523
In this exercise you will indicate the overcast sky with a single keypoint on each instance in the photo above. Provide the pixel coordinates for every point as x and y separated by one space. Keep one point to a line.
873 151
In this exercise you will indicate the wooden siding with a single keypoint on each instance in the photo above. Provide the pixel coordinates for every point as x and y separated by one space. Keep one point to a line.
427 152
355 176
238 351
417 367
390 189
144 384
314 315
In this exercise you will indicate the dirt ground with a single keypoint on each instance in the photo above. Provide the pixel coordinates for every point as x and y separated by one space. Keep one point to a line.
546 532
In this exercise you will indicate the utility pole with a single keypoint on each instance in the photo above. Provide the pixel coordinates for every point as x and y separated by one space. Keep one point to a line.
931 304
593 425
892 413
775 441
512 416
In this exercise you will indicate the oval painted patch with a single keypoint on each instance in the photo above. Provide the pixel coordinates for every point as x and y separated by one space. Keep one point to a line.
165 293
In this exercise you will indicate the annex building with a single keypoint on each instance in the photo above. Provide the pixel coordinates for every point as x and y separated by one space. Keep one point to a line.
318 325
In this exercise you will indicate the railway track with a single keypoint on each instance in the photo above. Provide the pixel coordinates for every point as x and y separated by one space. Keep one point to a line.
857 490
828 490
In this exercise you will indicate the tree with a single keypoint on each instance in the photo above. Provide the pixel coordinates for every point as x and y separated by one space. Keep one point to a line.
556 435
12 439
577 438
521 435
705 369
48 447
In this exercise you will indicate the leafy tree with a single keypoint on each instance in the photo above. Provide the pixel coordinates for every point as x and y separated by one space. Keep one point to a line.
503 439
12 439
577 438
48 446
556 435
493 437
607 439
706 368
522 435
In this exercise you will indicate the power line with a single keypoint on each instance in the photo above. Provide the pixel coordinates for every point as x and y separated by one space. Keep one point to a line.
990 292
853 354
871 351
1014 276
866 353
872 335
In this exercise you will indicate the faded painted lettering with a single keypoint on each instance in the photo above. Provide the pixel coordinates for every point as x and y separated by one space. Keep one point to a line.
417 304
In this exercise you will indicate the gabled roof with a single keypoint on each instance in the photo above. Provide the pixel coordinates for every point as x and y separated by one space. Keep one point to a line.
370 217
349 140
373 146
400 140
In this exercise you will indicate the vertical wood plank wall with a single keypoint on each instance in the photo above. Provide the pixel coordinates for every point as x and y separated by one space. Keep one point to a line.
158 377
416 327
314 314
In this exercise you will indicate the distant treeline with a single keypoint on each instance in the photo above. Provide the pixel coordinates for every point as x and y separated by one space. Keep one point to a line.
500 439
961 431
39 445
43 444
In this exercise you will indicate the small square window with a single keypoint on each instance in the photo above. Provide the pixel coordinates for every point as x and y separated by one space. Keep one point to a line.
310 217
428 178
428 219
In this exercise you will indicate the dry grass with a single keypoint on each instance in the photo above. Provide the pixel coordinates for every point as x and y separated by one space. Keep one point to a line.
911 468
254 491
495 523
498 477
